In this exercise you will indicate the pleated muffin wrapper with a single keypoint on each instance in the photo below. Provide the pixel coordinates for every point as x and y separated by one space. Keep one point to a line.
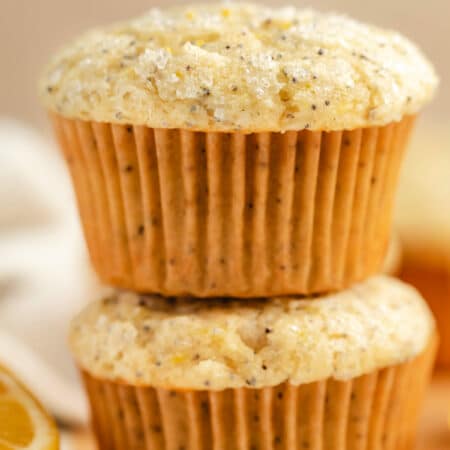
181 212
440 305
374 411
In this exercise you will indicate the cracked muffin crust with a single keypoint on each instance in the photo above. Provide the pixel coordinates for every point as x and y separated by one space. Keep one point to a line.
239 67
220 344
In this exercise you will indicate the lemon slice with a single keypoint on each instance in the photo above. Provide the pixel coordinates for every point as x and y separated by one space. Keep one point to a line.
24 424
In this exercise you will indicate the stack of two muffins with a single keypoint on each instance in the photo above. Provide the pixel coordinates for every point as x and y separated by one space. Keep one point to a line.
243 161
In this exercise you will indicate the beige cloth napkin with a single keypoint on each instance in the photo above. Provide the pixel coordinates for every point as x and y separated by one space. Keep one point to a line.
45 275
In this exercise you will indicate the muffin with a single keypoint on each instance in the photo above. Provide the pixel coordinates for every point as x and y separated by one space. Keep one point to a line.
393 261
345 370
236 150
423 221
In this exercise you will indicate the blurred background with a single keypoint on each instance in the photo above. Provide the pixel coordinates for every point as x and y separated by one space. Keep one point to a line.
44 270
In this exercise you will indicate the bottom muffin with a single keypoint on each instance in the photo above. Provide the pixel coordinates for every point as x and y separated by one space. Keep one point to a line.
432 279
343 371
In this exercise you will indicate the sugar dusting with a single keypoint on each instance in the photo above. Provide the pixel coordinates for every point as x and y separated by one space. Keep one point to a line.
240 67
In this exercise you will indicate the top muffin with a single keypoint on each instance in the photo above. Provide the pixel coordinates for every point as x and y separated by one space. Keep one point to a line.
229 67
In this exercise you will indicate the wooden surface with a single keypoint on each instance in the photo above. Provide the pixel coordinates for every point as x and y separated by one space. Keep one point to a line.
434 428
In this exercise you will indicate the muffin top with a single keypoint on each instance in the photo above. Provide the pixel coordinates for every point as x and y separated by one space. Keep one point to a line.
218 344
230 67
422 213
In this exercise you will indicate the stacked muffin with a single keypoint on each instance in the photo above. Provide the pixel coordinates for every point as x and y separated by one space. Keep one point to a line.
423 222
243 160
